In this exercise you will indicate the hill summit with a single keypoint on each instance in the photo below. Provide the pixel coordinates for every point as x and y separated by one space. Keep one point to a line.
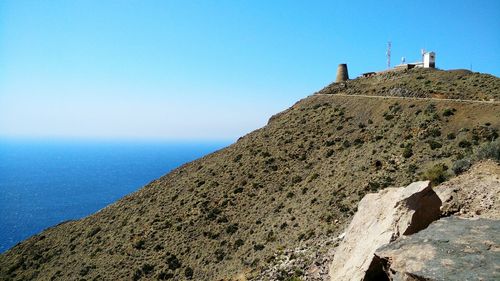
293 183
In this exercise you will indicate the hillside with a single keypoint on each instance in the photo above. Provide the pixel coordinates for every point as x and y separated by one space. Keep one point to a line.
423 83
292 182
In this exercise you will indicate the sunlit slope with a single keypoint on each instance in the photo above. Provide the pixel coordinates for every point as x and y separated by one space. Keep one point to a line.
293 181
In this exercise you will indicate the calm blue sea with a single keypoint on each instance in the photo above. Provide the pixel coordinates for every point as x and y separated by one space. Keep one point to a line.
43 183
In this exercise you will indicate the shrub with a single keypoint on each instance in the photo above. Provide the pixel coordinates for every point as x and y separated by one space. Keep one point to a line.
395 107
358 142
237 158
188 272
84 270
271 237
329 142
139 244
172 262
296 179
461 166
451 136
434 144
412 168
388 116
329 153
373 185
219 255
266 154
256 185
314 176
147 268
464 144
213 213
490 150
301 236
232 228
137 275
434 132
436 174
448 112
346 144
238 243
94 231
407 152
258 247
431 108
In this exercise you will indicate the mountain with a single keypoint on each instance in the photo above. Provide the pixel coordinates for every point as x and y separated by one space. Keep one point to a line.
296 181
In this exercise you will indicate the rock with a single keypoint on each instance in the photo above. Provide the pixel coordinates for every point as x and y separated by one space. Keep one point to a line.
449 249
309 261
473 194
381 218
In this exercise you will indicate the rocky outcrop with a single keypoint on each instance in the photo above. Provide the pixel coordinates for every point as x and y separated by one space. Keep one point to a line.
473 194
449 249
381 218
464 246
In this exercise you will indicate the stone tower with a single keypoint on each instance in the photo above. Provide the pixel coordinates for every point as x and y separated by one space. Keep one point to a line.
342 74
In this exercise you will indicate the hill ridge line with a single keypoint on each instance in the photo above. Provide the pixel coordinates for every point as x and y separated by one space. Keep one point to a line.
408 98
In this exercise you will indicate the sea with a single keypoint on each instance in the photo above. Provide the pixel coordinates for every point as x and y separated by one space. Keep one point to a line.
46 182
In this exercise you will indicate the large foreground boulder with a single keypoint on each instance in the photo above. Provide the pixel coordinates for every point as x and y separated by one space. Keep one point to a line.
449 249
381 218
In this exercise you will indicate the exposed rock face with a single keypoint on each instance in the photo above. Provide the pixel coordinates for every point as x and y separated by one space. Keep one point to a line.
474 194
381 218
449 249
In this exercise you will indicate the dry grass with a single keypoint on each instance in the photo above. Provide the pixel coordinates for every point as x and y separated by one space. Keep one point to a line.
294 181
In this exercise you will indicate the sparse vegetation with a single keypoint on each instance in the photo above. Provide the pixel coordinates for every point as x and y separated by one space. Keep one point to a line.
449 112
407 152
461 166
436 174
489 150
306 170
464 144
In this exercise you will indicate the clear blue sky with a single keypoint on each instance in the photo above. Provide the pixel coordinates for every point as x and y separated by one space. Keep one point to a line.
209 69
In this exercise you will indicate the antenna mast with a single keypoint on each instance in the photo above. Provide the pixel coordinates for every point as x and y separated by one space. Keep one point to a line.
389 55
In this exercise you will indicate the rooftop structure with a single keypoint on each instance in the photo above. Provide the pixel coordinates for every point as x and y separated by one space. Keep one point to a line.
428 61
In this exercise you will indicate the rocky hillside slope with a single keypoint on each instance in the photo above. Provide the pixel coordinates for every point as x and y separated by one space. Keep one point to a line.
423 83
292 182
420 232
463 246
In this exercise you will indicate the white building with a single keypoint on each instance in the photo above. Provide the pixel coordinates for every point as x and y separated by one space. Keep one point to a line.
430 60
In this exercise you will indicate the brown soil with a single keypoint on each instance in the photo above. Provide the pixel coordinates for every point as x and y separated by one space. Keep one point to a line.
292 182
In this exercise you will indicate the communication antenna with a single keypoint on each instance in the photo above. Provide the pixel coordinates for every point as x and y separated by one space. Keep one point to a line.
422 52
403 60
389 55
